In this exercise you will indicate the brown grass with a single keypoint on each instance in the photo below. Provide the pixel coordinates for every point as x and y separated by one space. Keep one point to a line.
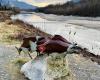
14 70
12 32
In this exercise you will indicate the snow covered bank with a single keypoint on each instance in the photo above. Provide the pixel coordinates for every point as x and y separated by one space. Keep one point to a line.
53 17
52 24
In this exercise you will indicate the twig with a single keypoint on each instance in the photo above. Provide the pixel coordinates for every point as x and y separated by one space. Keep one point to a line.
30 55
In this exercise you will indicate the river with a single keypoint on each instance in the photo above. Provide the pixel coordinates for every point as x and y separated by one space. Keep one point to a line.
84 31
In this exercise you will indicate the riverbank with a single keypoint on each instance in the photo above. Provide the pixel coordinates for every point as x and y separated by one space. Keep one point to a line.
13 32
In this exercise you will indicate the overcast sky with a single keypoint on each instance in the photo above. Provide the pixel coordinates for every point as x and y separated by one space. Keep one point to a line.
43 2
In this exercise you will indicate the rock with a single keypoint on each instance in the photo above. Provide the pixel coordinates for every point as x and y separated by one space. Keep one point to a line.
35 69
53 67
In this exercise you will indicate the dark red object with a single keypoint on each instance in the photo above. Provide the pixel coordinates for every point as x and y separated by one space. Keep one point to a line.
53 46
58 37
45 44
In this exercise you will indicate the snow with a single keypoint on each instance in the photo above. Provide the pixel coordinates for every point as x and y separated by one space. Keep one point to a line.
87 29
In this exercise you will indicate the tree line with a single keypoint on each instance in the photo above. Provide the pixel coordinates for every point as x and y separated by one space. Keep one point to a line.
81 8
7 6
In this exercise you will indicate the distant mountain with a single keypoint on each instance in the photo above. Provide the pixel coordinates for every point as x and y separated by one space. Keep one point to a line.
19 4
75 1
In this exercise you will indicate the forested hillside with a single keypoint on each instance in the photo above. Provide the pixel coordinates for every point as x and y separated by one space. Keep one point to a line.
81 8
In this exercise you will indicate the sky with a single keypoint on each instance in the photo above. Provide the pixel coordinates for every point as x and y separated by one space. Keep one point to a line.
42 3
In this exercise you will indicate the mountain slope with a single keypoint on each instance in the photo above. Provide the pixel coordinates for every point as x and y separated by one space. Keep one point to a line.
23 5
19 4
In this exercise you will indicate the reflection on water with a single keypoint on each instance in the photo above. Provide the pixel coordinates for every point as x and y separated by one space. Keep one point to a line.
86 37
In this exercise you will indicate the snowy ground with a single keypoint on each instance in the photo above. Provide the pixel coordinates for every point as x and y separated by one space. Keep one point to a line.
84 31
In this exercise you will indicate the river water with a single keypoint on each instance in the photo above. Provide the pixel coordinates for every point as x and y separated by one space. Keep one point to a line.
84 31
